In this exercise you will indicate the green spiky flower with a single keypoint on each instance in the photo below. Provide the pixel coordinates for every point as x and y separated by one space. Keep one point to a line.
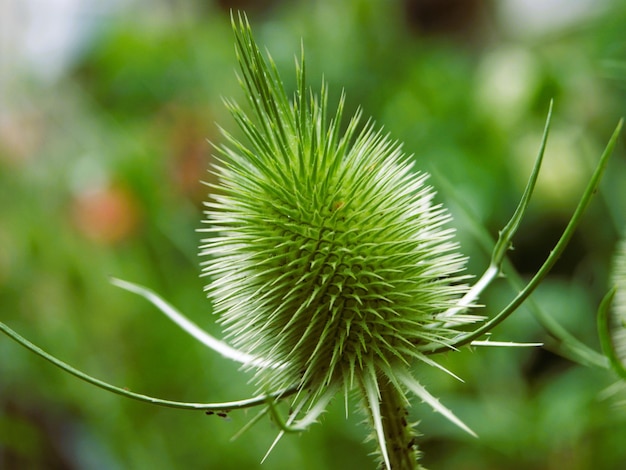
328 258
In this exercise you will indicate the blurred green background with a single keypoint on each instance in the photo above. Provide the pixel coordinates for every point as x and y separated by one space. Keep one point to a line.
105 116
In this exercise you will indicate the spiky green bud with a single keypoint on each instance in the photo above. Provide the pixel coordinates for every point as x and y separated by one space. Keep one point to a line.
327 254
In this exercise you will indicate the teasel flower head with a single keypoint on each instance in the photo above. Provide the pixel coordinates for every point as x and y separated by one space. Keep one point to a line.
327 256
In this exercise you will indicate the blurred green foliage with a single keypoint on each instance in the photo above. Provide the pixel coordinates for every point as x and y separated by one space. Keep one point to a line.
100 175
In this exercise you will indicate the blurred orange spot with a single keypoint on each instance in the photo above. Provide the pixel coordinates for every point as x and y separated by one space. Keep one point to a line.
106 215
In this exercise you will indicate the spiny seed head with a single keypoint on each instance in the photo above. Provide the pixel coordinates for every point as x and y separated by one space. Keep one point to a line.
327 255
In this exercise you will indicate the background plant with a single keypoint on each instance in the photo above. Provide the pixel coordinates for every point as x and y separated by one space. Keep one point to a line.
132 126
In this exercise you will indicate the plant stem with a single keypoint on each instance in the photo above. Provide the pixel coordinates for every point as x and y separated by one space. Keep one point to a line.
552 258
247 403
399 434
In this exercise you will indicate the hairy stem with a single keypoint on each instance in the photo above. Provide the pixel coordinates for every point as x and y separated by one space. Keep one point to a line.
399 435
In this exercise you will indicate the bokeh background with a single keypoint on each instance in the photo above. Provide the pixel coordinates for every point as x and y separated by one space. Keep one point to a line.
106 113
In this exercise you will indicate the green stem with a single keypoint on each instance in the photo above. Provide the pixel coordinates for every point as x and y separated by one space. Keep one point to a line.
567 345
554 255
399 435
251 402
505 238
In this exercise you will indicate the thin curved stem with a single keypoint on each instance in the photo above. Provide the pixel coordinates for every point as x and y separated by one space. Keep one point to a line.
239 404
554 255
568 345
505 236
